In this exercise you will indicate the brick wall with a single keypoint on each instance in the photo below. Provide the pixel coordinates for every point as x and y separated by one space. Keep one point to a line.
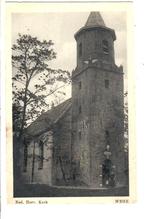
62 149
101 111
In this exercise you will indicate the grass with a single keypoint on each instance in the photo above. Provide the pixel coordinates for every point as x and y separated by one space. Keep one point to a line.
38 190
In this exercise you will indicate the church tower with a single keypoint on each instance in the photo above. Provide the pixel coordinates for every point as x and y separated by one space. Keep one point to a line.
97 107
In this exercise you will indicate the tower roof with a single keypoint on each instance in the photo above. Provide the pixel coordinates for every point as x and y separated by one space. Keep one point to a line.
95 19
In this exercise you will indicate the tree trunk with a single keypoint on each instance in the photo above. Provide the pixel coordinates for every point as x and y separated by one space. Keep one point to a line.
33 163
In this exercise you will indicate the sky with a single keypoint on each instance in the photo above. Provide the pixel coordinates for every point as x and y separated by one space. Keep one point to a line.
60 28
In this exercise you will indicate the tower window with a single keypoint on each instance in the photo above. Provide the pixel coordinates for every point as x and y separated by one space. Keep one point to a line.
96 45
105 47
107 136
93 98
80 85
41 153
25 157
107 133
80 109
80 49
106 83
80 135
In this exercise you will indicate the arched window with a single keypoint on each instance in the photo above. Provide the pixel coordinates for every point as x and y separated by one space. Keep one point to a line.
105 46
80 49
106 83
80 85
41 155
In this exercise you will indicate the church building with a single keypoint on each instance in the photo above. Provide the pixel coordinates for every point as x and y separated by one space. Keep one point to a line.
81 141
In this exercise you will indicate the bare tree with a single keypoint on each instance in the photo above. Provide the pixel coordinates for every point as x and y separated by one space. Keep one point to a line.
34 81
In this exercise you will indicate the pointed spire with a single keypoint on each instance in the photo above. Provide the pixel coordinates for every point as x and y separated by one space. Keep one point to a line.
95 19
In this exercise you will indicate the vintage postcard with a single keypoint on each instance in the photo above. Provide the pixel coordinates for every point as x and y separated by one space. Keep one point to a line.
70 103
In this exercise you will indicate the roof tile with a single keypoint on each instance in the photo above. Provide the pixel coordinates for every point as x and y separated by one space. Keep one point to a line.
47 119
